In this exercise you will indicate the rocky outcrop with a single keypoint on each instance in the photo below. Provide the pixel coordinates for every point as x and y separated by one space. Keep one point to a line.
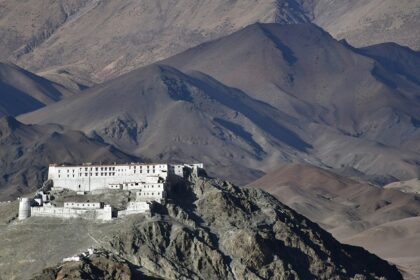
211 229
99 266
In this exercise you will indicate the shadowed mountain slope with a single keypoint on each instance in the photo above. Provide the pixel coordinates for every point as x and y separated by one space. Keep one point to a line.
265 95
23 92
164 114
356 106
27 150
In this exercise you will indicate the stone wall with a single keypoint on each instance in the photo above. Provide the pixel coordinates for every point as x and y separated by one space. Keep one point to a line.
66 213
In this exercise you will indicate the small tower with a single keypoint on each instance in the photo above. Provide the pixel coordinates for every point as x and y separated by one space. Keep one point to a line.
24 208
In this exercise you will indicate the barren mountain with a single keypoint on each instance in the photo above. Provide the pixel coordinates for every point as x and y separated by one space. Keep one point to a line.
22 91
341 205
165 114
27 150
380 220
79 41
102 39
262 96
396 241
365 23
410 186
355 103
208 229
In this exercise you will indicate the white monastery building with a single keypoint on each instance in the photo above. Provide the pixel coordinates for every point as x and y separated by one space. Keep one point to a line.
89 177
151 182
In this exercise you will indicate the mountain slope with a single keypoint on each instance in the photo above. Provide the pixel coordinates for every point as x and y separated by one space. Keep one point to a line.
410 186
265 95
341 205
354 212
207 229
22 91
365 23
355 103
27 150
402 244
122 35
45 35
164 114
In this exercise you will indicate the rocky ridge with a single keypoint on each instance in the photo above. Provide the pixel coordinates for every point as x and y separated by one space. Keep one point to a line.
210 229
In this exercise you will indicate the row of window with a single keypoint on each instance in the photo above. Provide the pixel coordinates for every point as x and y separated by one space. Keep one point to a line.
150 193
91 169
83 204
110 168
102 173
90 174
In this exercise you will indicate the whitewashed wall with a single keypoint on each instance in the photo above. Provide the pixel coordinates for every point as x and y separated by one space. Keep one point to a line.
93 177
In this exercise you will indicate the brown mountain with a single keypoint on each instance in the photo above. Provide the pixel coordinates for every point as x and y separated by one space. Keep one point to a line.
27 150
364 23
22 91
118 36
409 186
162 113
262 96
381 220
80 41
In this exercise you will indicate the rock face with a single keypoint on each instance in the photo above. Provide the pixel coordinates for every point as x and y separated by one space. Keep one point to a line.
213 229
99 266
207 229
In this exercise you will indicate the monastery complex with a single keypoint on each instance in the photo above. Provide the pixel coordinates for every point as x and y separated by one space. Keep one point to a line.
149 182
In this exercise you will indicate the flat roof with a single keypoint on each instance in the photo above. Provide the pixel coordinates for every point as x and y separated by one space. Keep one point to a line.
87 164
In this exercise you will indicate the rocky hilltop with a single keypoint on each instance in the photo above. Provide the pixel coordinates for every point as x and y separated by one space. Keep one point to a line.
211 229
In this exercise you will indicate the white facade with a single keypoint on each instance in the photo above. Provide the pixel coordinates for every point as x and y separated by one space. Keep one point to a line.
86 178
135 207
24 208
178 169
150 181
83 205
104 213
